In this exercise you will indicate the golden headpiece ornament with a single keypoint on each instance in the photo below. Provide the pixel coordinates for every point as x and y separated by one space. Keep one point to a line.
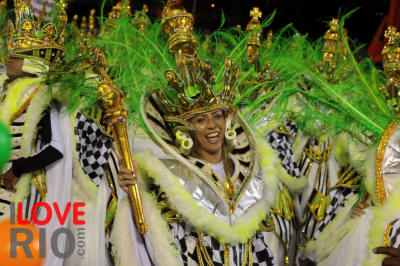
254 27
140 20
27 38
178 24
119 9
180 106
254 32
390 54
391 65
331 40
334 51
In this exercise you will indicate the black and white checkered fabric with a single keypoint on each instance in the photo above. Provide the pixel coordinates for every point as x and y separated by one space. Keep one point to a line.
282 146
395 234
336 204
186 240
92 146
292 128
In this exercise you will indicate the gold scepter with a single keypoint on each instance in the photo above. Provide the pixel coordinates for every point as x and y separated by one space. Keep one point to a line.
112 103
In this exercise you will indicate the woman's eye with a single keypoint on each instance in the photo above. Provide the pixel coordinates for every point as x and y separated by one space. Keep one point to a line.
200 120
218 116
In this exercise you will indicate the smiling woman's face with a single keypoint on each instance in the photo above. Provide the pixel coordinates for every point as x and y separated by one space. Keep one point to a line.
209 132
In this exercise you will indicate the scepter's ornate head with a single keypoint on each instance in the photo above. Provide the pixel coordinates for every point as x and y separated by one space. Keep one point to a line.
254 31
178 24
28 39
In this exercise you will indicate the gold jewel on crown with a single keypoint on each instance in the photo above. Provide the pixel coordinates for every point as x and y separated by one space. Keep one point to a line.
27 38
178 24
390 54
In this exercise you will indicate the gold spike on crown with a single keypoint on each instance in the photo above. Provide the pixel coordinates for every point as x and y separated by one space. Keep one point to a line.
179 106
390 54
26 38
178 24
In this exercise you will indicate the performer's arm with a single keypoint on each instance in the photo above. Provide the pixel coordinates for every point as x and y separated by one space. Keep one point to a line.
52 151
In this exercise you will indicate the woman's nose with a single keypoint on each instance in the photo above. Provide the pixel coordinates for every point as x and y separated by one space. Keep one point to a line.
211 123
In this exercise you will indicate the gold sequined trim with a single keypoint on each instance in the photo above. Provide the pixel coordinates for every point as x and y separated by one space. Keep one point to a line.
41 185
386 236
380 186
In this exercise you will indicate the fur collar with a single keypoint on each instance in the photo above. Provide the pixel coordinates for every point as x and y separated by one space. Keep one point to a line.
245 227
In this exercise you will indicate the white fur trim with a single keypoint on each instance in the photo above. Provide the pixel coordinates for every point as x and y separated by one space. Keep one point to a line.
331 236
184 204
161 238
34 113
124 252
382 216
299 144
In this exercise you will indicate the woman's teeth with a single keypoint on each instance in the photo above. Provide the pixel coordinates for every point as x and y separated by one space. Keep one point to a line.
213 138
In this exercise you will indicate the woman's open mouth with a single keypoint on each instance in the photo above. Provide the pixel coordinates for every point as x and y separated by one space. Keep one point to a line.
213 138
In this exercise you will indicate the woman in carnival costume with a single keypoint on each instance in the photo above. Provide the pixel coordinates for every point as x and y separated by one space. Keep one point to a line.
39 169
367 124
95 137
210 186
330 184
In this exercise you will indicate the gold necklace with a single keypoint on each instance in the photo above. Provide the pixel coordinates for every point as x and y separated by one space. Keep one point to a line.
228 186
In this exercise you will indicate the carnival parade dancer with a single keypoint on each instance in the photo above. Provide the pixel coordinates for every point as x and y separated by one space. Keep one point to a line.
332 182
97 146
39 169
368 142
208 193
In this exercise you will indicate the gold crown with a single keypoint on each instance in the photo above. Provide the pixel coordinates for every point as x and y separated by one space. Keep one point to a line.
390 54
178 24
180 106
27 38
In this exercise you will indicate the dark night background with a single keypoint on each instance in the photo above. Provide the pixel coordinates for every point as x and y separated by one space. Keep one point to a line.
308 16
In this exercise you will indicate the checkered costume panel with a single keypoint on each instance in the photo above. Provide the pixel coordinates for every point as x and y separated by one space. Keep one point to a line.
336 204
292 128
282 146
395 234
187 243
92 146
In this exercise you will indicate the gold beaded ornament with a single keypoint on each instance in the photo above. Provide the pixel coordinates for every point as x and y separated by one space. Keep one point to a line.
27 38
